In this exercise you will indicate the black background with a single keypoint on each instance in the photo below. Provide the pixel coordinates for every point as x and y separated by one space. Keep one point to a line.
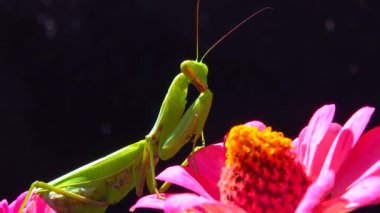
80 79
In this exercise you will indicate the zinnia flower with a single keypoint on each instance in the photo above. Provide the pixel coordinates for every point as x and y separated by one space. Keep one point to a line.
35 205
343 163
328 168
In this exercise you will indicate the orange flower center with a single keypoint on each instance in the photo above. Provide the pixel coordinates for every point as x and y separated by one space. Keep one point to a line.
261 173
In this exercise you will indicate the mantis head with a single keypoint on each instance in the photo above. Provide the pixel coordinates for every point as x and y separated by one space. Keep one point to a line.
196 72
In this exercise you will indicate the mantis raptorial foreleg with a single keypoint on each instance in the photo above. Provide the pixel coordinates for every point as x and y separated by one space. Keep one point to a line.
190 125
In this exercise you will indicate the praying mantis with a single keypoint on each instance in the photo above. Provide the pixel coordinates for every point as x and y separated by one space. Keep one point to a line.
95 186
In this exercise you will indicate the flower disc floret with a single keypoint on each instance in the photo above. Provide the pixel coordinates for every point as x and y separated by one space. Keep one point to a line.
261 173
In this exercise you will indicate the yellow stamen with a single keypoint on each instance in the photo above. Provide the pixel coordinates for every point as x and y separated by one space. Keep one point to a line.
248 143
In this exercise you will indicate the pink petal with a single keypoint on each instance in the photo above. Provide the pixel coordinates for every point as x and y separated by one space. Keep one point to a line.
366 192
374 170
333 205
188 179
300 146
346 139
316 193
322 149
181 202
4 206
200 162
216 207
37 204
363 156
318 125
174 202
295 144
202 175
260 125
150 201
15 205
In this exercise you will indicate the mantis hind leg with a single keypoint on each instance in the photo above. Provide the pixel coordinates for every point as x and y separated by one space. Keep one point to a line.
48 187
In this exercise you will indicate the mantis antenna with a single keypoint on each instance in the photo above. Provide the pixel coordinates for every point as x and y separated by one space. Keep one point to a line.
197 31
229 32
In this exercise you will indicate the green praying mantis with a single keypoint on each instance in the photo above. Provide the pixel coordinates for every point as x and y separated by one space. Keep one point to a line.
95 186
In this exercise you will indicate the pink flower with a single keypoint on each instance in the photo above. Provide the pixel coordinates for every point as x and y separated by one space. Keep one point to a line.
328 168
35 205
343 164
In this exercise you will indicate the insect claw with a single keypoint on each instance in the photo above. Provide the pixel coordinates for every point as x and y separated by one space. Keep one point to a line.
159 196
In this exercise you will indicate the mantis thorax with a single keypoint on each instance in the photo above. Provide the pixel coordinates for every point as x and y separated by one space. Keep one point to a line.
196 72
